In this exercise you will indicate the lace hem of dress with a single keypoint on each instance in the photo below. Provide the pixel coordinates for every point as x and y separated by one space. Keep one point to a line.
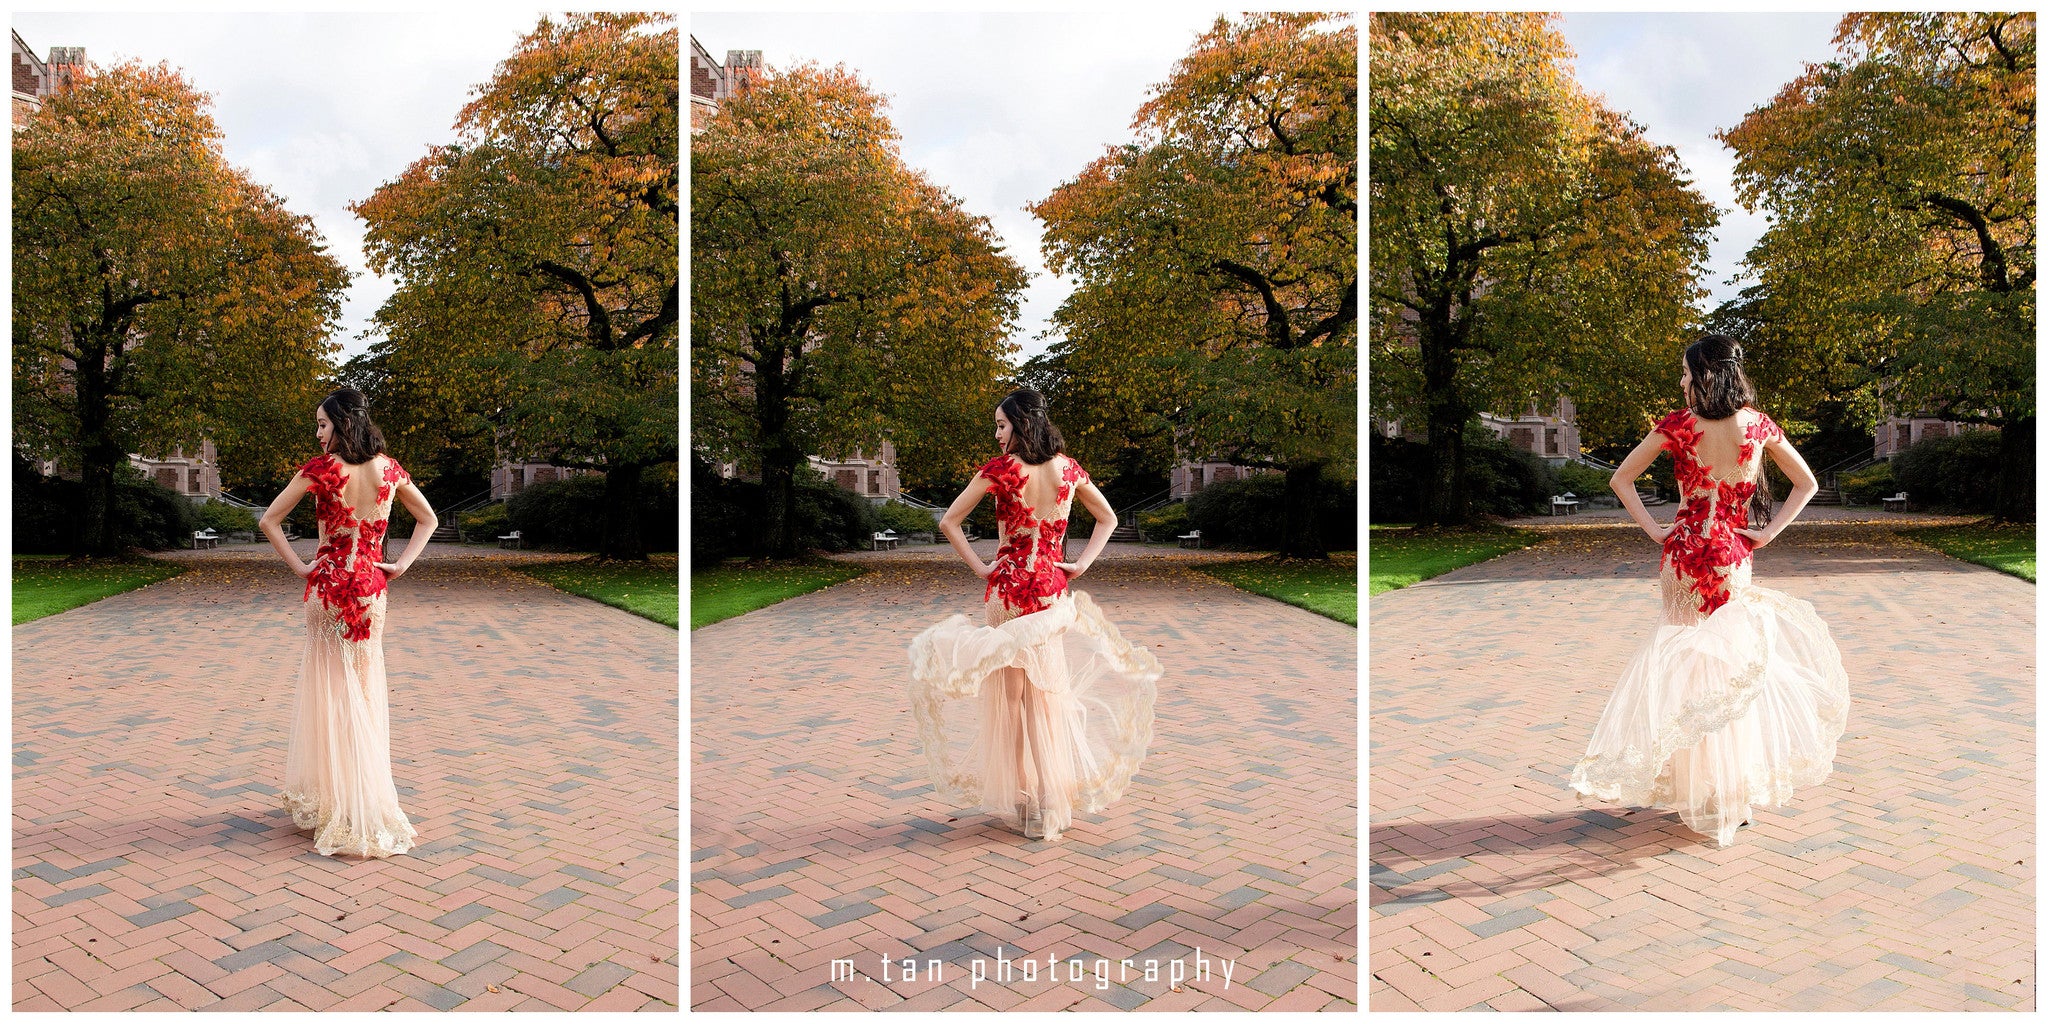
932 683
333 835
1635 777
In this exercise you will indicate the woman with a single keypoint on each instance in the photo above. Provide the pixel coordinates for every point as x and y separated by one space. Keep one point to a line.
1740 697
1051 709
337 773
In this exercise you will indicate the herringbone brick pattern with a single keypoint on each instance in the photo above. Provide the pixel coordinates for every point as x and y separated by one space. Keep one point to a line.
1904 882
815 835
534 746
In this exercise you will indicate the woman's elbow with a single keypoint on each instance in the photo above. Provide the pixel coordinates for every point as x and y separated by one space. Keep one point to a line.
1616 482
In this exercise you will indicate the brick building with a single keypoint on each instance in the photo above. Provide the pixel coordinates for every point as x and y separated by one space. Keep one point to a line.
35 78
711 82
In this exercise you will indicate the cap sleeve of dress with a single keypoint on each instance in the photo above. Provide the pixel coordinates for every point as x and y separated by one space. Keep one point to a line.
1073 473
995 470
1676 426
1765 429
324 472
395 474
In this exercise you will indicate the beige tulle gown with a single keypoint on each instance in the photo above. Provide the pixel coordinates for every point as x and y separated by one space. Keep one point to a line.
1043 709
337 773
1739 697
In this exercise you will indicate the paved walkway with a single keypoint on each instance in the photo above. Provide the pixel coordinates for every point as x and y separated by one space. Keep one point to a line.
1904 882
815 835
534 745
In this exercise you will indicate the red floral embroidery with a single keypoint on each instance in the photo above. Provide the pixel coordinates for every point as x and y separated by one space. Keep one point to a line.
344 584
1703 545
1025 574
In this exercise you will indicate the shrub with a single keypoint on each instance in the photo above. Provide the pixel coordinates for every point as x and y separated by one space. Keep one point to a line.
1504 480
726 515
222 517
1247 513
1588 482
1165 522
570 513
1867 486
1959 472
485 524
895 515
146 515
1500 479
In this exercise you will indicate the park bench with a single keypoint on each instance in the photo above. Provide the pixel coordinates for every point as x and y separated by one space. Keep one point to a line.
885 541
1899 499
205 539
1567 502
511 540
1191 539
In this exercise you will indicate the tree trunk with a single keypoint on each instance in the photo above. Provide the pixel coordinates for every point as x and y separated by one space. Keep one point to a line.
2016 471
622 538
100 455
780 457
1445 413
1299 537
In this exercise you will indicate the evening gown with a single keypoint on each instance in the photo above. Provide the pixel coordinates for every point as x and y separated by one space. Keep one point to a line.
1044 709
1739 697
337 774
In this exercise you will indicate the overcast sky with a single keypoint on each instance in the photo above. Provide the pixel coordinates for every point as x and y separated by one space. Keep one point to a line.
997 108
1686 76
323 108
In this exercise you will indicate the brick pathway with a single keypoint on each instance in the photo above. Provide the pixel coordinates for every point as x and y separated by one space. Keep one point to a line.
816 837
153 868
1904 882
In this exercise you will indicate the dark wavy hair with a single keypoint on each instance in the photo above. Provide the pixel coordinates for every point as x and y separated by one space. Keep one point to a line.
1033 438
1719 387
356 438
1719 390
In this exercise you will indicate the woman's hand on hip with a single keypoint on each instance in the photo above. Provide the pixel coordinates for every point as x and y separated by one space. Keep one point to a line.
1663 533
1072 569
392 570
1756 538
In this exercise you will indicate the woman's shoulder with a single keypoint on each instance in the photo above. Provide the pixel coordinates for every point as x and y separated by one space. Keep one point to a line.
1071 470
999 468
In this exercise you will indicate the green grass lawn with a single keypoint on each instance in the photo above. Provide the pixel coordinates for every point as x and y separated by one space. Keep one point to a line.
1329 589
2008 548
737 587
648 589
1398 557
48 584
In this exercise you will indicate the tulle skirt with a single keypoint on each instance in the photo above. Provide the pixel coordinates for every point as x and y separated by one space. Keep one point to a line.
1715 718
337 771
1036 717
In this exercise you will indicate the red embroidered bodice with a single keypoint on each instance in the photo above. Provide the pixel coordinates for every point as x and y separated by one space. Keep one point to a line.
1025 577
345 575
1704 550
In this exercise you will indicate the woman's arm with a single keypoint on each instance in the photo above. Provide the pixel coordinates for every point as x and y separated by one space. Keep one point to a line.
956 513
1624 485
1105 524
272 522
424 525
1804 486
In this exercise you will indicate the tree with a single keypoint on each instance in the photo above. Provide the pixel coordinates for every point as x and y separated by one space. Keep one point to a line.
1526 243
1898 270
1216 266
160 296
838 295
538 297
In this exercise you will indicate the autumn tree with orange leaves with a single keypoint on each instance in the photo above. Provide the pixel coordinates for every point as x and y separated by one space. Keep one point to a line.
160 295
1215 311
838 295
1897 276
1527 242
538 302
